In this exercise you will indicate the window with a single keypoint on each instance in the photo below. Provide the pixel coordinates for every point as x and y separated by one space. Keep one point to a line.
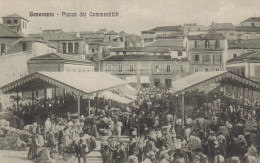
258 37
24 46
196 58
8 21
206 69
234 55
70 47
109 67
196 44
182 68
168 68
217 44
150 40
218 58
145 40
207 44
124 52
179 53
253 24
157 67
76 48
93 50
3 49
206 58
15 21
120 67
64 49
217 69
131 68
196 69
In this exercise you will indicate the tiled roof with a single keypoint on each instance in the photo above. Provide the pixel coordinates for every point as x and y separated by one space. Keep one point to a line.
39 36
164 28
101 31
111 33
244 44
223 26
61 36
7 33
166 43
138 58
129 49
58 56
252 19
14 16
208 36
248 29
253 56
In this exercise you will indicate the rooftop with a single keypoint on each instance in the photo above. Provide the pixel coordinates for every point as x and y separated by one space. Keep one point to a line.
164 28
61 57
62 36
252 19
253 56
166 43
129 49
14 16
244 44
111 33
222 26
208 36
145 57
248 29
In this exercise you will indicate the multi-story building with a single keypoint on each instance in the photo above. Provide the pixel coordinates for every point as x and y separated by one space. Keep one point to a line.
206 52
232 32
16 23
193 29
146 66
151 35
246 65
252 21
239 47
68 43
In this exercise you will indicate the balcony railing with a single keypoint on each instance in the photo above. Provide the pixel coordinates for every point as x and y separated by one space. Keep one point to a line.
145 71
204 48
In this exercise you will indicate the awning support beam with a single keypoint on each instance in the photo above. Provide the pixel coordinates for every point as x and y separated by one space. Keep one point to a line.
78 98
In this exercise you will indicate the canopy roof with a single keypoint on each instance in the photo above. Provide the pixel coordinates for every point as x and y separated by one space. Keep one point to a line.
197 79
77 82
115 97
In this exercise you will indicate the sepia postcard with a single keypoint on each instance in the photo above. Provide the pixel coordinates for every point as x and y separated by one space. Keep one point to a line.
129 81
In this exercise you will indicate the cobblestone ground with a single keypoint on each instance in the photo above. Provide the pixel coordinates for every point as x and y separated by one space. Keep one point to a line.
7 156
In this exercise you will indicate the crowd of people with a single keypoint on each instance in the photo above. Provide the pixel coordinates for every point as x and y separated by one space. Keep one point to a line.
217 130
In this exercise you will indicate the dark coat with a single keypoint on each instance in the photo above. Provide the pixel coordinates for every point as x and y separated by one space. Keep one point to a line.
81 150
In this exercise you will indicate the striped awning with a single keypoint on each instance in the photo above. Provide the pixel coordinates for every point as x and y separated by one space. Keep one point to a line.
77 82
198 79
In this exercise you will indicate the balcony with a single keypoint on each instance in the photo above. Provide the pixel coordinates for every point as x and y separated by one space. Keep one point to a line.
144 72
200 48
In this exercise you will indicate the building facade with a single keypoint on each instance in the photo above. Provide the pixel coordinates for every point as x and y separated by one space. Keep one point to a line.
59 62
149 36
246 65
146 69
206 52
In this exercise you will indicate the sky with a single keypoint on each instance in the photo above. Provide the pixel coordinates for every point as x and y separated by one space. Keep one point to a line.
134 15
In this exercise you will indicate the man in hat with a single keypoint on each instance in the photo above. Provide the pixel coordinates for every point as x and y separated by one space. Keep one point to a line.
81 151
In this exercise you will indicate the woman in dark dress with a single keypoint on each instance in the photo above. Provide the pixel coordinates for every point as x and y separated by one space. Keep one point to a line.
32 153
